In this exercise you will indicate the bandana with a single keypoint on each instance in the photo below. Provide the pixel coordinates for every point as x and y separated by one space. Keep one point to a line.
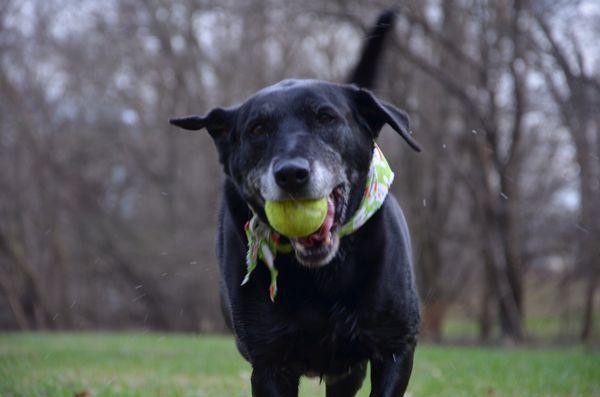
264 243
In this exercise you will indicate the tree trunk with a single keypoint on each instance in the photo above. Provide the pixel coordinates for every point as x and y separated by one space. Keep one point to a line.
589 234
15 304
486 321
434 314
587 329
432 294
498 244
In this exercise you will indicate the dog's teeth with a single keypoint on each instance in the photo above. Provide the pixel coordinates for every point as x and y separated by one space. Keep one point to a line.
301 248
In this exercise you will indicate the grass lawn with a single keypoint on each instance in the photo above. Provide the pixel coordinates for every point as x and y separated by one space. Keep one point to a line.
148 365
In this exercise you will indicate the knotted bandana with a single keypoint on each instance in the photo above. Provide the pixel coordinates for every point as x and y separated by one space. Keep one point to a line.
264 243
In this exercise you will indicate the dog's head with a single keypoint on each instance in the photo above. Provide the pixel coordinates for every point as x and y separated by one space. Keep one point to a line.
302 139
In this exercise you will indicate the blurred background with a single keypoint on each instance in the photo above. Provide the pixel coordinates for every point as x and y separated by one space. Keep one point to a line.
108 215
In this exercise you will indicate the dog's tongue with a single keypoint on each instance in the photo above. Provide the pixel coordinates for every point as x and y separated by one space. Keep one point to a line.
323 233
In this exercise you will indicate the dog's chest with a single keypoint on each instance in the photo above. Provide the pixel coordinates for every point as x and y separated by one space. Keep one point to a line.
327 340
336 322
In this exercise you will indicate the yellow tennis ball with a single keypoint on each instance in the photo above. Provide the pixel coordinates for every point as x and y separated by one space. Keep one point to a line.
296 218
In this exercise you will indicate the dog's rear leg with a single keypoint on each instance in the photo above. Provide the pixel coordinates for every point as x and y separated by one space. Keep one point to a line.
389 376
348 385
274 382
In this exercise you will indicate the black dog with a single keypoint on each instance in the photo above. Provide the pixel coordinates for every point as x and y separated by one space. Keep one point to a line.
341 301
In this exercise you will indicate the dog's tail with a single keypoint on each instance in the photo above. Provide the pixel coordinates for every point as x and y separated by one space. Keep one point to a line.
365 72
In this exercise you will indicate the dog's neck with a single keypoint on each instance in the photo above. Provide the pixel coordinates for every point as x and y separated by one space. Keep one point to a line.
264 243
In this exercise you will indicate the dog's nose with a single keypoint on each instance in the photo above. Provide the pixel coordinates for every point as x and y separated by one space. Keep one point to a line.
291 174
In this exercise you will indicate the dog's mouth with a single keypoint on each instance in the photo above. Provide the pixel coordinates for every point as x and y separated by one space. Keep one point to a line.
319 248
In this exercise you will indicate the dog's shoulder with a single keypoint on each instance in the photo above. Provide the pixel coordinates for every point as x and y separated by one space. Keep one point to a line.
391 284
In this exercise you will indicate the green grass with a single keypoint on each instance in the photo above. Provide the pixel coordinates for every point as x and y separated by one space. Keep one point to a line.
537 327
148 365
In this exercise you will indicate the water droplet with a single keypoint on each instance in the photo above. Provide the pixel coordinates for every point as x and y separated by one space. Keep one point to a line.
504 196
137 298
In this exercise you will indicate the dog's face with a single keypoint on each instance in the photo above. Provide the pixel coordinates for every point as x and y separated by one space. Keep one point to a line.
302 139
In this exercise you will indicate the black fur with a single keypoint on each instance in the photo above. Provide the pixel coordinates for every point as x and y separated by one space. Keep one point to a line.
362 305
365 71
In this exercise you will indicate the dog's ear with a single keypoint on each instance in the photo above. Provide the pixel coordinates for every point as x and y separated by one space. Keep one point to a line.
375 113
219 124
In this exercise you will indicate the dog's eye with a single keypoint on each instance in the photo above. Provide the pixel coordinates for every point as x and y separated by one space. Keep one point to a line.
258 129
324 117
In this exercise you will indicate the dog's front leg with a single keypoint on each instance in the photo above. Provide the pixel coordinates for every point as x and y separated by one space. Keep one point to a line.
390 375
269 381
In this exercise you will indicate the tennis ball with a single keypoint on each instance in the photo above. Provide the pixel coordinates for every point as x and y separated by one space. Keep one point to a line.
296 218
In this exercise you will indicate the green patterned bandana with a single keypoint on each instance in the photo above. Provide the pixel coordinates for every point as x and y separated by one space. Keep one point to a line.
264 243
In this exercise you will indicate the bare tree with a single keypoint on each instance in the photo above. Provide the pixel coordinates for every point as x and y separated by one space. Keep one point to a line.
577 101
107 215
